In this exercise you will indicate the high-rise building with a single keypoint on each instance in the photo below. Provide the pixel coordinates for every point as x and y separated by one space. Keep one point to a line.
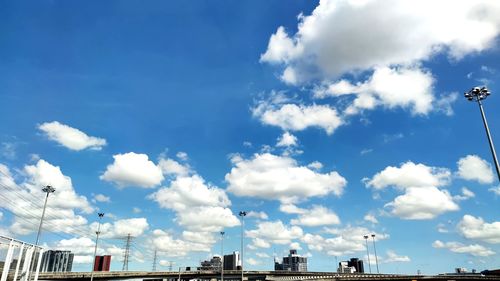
293 262
102 263
56 261
232 262
357 264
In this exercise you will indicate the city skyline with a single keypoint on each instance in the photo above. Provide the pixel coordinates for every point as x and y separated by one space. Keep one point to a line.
324 121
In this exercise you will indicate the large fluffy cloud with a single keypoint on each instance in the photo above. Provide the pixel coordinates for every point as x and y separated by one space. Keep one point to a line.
165 243
456 247
199 206
422 199
344 36
409 175
275 177
316 216
476 228
132 169
121 228
273 232
24 201
71 138
472 167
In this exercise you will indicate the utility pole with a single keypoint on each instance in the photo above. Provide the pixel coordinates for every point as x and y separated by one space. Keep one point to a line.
127 253
48 189
154 261
222 255
368 253
375 249
95 248
478 94
242 215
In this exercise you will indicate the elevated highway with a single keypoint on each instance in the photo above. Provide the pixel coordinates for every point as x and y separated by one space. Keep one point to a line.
250 276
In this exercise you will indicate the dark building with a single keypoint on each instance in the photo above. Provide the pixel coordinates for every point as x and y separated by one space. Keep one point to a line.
293 262
232 262
56 261
213 264
102 263
357 264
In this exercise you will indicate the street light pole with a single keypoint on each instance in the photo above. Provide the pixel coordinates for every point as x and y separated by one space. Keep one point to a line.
95 248
242 215
478 94
375 249
368 253
222 255
48 189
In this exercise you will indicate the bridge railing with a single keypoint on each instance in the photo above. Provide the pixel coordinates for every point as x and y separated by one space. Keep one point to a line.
27 254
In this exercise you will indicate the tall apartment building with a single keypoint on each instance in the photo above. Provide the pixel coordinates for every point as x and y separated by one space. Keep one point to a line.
293 262
56 261
102 263
232 262
351 266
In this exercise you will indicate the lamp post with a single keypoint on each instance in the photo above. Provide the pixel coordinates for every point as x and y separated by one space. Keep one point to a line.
242 215
478 94
96 240
48 189
368 253
222 255
375 249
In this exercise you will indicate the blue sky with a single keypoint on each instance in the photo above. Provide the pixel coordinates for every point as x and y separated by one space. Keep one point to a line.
326 121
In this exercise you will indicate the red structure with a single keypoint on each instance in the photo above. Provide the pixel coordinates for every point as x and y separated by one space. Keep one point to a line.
102 263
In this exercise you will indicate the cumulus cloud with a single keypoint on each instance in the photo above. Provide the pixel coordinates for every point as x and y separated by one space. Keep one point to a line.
132 169
472 167
466 194
291 209
371 218
274 177
345 241
495 190
319 51
456 247
389 87
64 207
71 138
393 257
287 140
409 175
101 198
476 228
172 167
199 206
274 232
298 117
259 215
422 203
165 243
316 216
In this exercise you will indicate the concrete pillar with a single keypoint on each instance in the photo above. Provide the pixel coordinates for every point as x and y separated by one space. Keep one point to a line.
19 257
8 259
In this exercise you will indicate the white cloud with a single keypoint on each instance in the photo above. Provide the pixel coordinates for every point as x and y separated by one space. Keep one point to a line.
275 232
409 175
495 190
287 140
315 165
371 218
259 215
101 198
136 210
182 155
316 216
299 117
291 209
8 150
466 194
23 199
393 257
295 246
476 228
172 167
274 177
456 247
132 169
319 50
422 203
389 87
121 228
262 255
345 241
252 261
472 167
71 138
199 206
165 243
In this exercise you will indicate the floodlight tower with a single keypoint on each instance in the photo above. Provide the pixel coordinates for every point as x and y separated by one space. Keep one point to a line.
478 94
367 253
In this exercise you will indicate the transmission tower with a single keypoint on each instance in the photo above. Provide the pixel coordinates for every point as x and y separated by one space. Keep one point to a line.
126 254
154 261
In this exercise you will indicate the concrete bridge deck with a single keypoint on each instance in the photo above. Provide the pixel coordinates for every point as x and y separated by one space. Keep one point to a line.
250 276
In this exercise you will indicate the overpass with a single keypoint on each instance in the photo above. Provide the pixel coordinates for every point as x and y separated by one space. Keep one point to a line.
251 276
